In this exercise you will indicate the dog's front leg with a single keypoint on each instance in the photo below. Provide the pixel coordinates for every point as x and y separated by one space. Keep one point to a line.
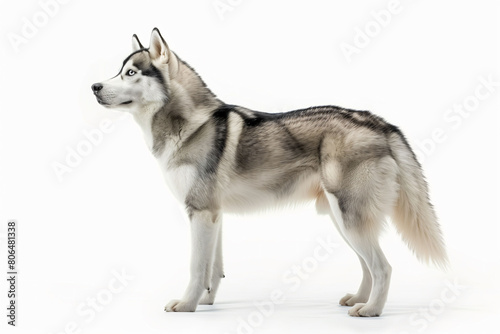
217 272
204 229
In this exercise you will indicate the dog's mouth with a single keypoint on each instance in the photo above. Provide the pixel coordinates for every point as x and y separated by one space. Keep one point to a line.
104 103
101 102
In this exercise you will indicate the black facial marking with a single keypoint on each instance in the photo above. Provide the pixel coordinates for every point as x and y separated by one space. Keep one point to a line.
149 70
153 71
130 56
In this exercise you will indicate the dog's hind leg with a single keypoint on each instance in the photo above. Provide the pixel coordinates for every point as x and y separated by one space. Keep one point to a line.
380 271
217 272
366 284
364 288
205 226
366 194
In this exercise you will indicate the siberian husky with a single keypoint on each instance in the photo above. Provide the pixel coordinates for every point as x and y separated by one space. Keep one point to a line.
218 158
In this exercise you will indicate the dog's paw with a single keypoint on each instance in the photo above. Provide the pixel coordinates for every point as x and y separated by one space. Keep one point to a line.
364 310
207 299
350 300
180 306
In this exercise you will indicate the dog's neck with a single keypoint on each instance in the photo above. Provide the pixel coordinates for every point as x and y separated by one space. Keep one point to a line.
187 86
143 119
190 104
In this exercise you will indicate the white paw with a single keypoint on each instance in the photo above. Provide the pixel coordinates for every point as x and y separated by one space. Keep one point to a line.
364 310
207 299
350 299
180 306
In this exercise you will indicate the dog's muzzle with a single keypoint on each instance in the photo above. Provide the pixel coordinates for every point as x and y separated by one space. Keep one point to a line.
96 88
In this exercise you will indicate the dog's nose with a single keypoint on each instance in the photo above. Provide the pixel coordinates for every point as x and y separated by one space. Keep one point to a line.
96 87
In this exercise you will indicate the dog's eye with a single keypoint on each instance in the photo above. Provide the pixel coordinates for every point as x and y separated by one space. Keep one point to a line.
130 73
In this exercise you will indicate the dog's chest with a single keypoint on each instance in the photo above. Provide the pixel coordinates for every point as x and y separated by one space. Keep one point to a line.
178 178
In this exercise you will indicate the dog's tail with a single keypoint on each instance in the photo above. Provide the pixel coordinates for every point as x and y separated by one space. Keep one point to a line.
413 215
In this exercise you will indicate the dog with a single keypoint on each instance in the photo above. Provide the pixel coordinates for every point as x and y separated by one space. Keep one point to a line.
217 158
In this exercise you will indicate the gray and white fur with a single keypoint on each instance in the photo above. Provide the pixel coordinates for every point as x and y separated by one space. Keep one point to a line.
219 158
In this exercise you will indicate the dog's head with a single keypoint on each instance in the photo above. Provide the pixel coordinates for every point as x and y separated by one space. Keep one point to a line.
143 79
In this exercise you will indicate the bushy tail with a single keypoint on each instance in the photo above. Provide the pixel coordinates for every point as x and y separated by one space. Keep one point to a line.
414 216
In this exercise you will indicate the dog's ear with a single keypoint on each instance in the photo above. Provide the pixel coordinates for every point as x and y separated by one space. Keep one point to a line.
158 48
136 44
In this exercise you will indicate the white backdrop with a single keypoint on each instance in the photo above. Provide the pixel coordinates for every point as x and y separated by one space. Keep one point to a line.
103 246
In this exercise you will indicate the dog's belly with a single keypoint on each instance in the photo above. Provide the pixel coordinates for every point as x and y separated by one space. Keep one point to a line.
252 194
